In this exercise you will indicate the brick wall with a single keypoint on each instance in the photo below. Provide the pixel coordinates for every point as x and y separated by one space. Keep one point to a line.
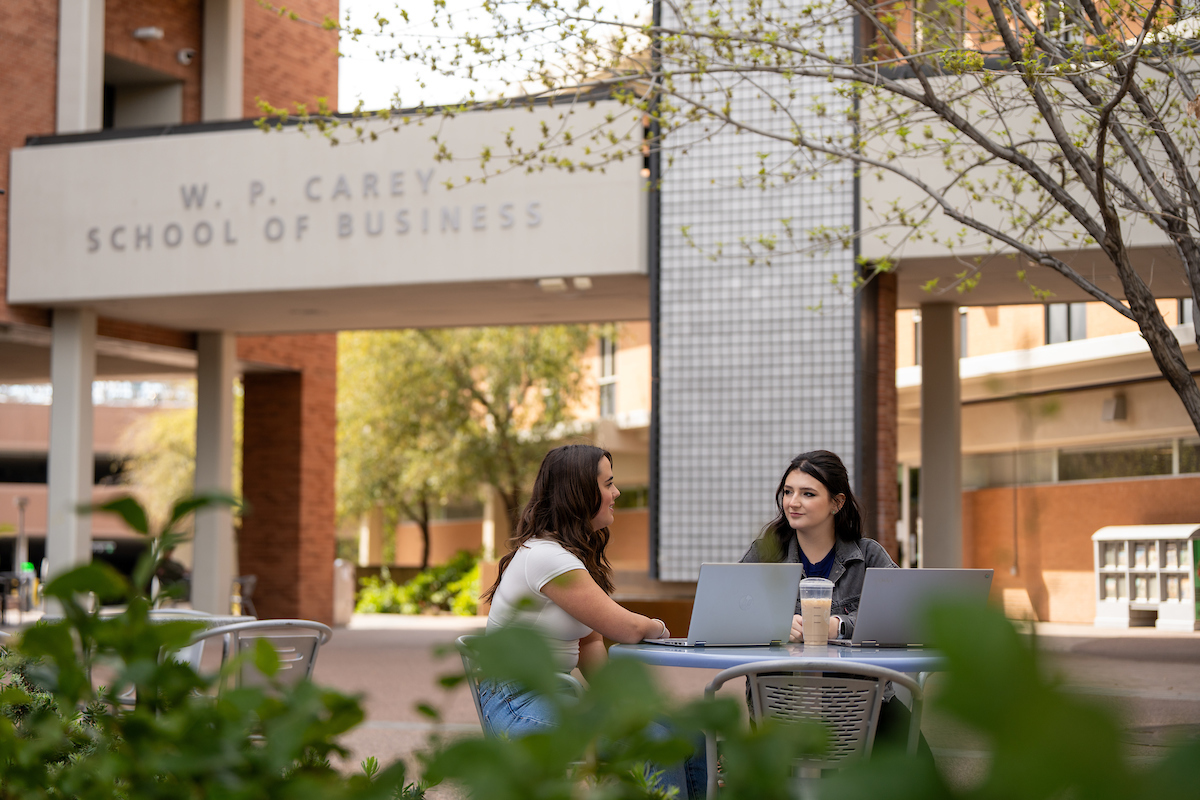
28 64
148 334
1048 529
887 422
290 61
288 538
181 22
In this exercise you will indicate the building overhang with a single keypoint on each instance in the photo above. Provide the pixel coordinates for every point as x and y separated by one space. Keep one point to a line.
1006 279
241 231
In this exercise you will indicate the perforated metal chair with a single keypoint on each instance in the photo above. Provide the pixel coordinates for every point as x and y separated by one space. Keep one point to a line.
844 696
471 667
189 654
296 642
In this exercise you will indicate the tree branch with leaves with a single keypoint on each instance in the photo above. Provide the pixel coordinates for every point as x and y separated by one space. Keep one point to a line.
1004 134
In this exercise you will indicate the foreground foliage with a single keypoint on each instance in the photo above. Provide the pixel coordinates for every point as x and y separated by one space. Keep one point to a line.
1046 742
64 735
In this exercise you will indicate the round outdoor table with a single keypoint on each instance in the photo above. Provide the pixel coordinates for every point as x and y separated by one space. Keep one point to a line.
901 659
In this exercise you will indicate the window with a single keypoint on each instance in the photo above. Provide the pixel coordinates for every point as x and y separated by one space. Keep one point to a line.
1115 461
33 468
940 25
1189 455
984 470
1066 322
1186 308
1143 459
1063 20
608 377
634 497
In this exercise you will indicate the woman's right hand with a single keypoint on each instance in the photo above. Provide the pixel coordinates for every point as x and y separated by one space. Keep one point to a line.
797 628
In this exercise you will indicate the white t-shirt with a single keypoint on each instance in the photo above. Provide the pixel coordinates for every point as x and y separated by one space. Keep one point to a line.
535 564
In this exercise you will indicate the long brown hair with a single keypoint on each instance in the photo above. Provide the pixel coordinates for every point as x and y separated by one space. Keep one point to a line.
827 468
565 498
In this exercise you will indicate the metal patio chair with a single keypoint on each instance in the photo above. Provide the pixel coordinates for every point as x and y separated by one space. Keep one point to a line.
471 667
844 696
296 642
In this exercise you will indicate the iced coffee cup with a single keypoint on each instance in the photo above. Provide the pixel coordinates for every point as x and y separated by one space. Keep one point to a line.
816 599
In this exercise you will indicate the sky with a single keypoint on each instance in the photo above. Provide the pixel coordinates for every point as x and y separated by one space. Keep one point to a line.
363 76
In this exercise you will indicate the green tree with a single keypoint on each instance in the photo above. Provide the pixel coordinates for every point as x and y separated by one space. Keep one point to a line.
427 416
159 457
1058 135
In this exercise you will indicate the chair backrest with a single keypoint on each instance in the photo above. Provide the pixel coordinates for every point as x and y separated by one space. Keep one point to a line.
295 641
571 684
847 707
842 695
471 668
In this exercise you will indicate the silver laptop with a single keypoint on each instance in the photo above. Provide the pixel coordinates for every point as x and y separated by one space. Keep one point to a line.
894 603
742 605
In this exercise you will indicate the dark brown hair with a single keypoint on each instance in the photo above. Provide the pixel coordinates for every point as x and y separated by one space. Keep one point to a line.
564 501
827 468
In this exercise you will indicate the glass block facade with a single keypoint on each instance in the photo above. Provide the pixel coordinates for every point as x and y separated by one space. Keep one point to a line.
756 360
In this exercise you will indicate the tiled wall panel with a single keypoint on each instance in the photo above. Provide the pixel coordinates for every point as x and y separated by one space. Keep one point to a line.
756 360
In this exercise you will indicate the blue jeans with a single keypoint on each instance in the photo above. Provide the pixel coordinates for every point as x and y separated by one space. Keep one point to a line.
510 710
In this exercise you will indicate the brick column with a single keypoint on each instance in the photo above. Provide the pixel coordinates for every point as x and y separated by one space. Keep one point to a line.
887 501
287 537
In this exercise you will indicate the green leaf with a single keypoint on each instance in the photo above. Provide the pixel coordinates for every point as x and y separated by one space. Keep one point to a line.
127 508
98 577
187 505
266 660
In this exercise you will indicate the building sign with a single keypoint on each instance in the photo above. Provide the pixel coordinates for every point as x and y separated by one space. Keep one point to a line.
247 211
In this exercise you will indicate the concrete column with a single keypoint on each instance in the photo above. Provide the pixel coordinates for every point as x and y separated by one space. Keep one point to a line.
80 91
214 554
941 437
72 468
370 538
221 61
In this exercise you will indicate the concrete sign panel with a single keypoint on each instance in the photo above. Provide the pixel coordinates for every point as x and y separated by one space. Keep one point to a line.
227 213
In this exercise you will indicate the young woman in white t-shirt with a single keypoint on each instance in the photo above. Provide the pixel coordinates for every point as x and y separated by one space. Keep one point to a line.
557 579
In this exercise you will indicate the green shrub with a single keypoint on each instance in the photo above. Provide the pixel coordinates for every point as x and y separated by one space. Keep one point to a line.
452 587
64 738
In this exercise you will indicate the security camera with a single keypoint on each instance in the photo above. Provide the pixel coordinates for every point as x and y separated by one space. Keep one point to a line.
186 56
